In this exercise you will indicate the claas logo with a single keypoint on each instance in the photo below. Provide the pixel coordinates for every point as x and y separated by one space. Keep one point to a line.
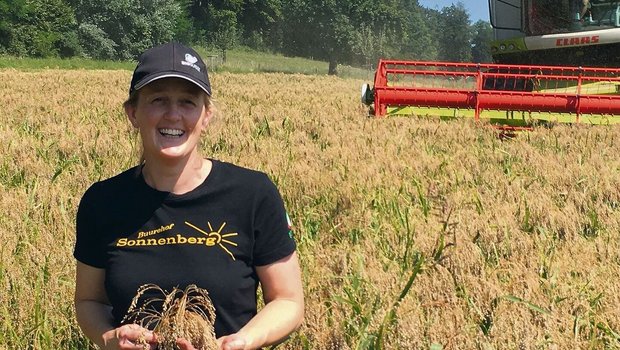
580 40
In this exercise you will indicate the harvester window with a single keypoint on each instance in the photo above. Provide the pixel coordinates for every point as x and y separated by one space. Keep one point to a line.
547 17
553 16
605 13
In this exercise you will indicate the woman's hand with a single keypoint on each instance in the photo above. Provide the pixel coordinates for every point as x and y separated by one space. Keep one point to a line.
130 337
229 342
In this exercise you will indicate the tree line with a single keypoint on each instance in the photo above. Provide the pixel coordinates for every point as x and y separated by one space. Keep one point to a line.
354 32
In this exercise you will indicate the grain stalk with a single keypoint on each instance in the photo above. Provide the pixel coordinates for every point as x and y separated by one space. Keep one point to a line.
187 314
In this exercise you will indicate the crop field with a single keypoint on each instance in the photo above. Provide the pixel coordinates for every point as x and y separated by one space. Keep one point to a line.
413 233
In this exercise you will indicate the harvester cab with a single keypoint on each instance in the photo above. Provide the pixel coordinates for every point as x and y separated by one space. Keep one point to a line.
542 72
552 32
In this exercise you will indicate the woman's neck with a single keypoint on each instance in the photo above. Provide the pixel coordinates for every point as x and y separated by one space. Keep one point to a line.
178 177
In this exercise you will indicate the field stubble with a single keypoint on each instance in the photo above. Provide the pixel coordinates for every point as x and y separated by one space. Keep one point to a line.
413 233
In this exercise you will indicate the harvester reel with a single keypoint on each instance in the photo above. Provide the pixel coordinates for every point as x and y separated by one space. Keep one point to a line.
551 92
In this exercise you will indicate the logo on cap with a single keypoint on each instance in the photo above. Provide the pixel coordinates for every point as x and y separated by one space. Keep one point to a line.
190 61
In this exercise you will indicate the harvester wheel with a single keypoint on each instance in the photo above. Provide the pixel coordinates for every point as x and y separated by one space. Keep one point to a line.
368 95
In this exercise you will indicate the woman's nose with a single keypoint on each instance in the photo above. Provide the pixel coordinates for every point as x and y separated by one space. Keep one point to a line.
173 112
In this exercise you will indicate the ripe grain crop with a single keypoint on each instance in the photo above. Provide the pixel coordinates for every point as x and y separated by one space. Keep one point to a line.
413 233
187 314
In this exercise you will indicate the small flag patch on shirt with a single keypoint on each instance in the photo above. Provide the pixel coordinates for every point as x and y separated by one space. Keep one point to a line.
290 225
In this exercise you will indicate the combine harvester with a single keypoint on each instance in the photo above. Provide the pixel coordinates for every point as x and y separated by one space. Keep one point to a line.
551 66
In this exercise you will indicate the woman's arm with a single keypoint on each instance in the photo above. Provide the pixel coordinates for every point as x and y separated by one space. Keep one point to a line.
283 311
94 313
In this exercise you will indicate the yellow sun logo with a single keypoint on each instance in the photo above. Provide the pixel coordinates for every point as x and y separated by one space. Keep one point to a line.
216 237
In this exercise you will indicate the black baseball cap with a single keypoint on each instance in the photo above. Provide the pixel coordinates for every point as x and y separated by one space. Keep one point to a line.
170 60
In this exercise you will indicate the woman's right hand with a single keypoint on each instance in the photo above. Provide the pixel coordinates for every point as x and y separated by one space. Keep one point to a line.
129 337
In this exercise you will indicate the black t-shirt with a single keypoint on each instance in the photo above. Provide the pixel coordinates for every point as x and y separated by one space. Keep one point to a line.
212 236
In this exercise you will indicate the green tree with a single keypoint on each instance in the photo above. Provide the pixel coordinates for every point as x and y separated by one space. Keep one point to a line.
11 11
95 42
367 43
481 42
258 22
37 28
338 31
203 11
381 28
186 29
455 35
224 30
418 32
130 26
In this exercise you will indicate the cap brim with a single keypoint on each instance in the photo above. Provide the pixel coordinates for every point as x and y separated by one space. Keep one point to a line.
155 77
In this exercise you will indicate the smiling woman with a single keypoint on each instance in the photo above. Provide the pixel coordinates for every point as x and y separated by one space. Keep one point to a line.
179 219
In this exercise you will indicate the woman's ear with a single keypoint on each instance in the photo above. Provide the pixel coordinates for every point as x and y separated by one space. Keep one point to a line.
130 110
208 116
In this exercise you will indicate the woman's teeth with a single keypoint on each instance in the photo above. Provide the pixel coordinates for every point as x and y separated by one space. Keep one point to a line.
171 132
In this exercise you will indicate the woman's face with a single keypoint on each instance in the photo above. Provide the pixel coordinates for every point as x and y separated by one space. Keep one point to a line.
170 114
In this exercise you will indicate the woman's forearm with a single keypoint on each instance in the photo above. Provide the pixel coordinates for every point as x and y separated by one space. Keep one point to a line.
95 320
273 324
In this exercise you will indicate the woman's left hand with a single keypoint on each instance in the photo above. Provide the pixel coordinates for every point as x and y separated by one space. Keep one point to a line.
231 342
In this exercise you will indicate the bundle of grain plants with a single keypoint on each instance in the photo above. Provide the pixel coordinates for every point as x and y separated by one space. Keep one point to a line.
187 314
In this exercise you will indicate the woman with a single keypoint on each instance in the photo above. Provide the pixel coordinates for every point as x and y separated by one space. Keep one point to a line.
179 219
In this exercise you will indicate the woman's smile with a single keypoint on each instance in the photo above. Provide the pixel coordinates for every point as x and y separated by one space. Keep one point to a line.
171 133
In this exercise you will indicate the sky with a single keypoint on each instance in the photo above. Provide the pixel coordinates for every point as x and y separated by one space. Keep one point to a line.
478 9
